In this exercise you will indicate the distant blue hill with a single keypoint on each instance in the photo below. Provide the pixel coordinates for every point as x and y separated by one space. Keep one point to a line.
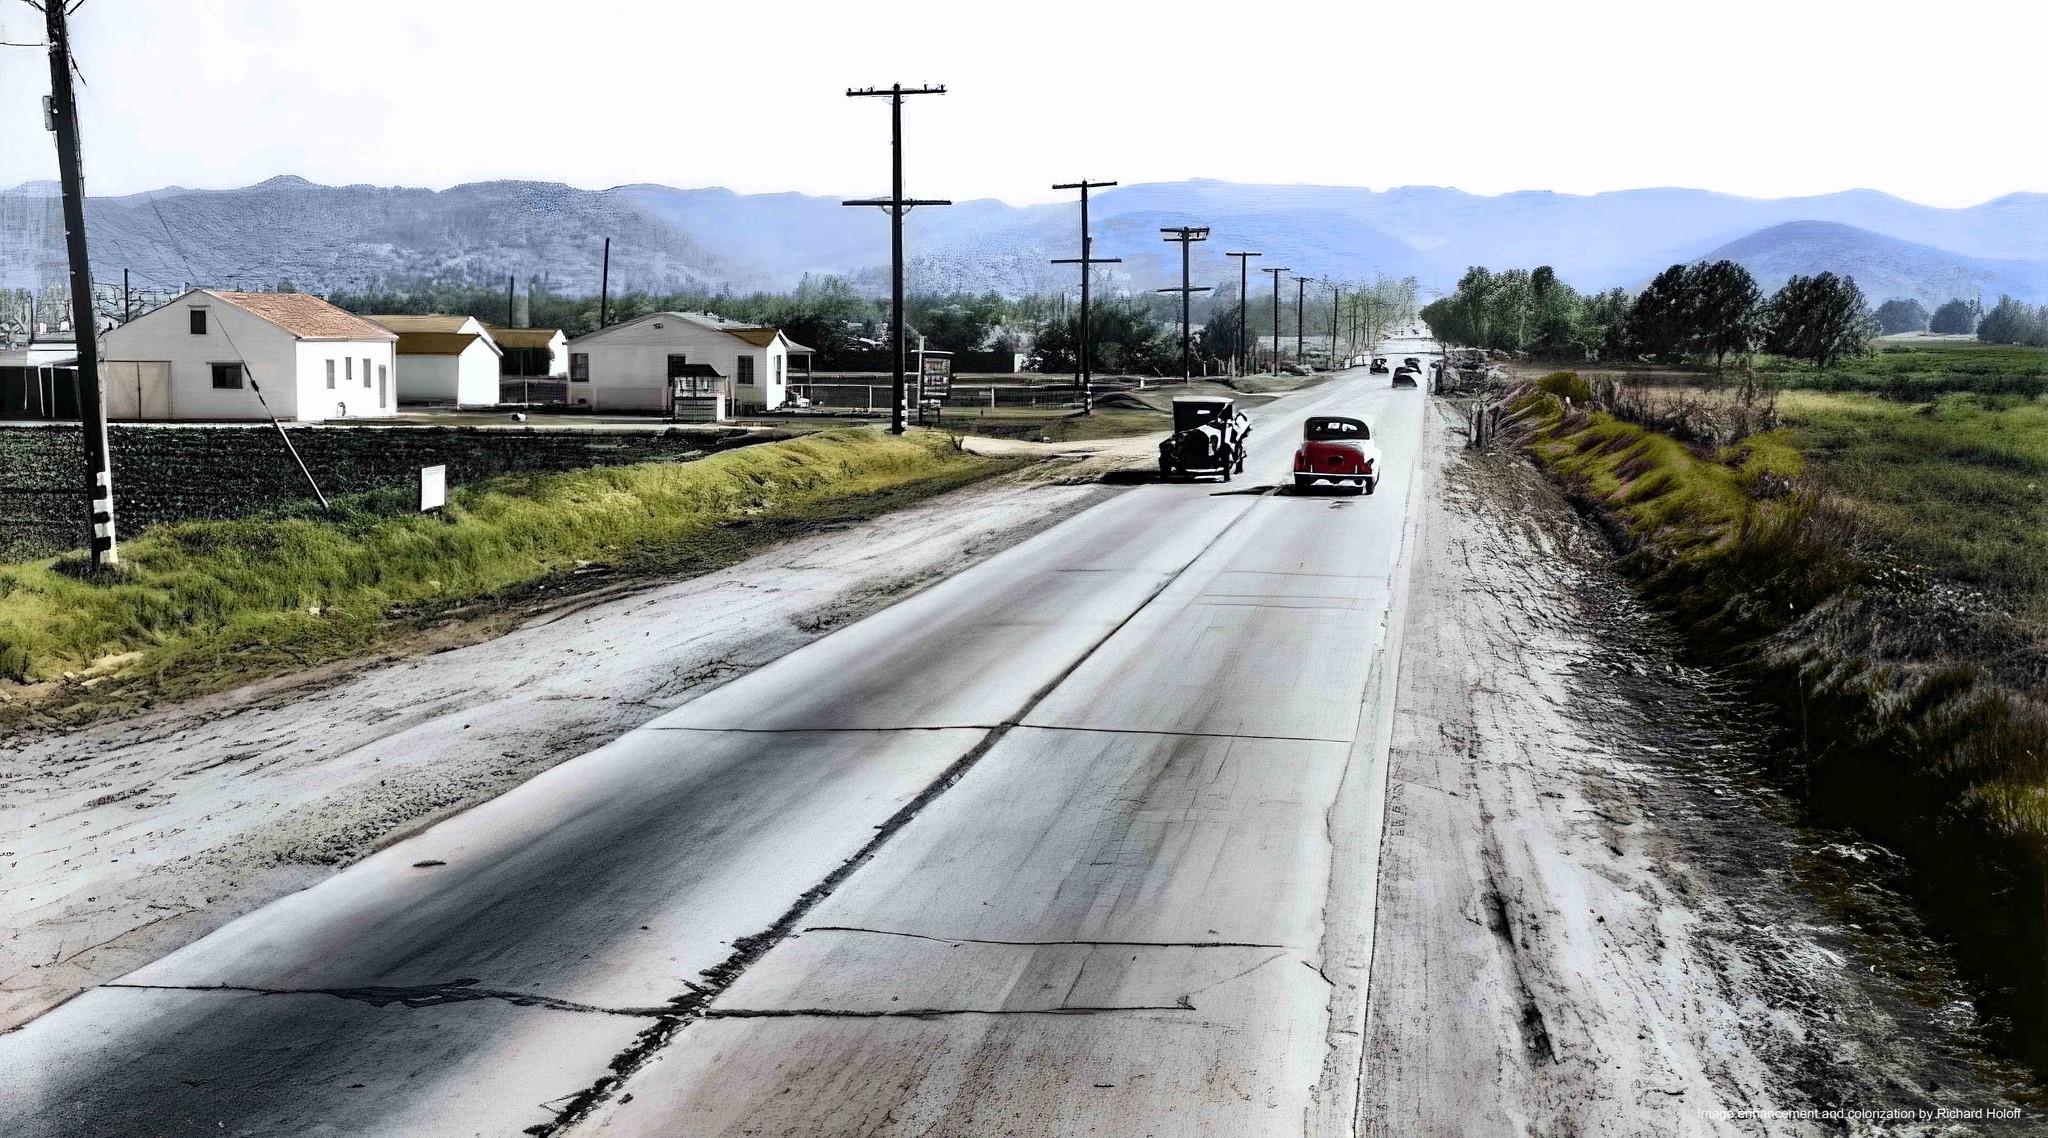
1884 267
329 237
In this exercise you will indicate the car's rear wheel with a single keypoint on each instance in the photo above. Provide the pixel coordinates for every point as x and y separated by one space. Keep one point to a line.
1303 482
1371 484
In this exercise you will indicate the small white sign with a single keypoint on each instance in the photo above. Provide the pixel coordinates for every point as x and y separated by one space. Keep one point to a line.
433 487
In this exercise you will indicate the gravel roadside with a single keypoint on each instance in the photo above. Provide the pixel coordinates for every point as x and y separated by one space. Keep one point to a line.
1596 916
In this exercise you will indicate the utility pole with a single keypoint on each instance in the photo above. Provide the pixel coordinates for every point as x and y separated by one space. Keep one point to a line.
127 299
1244 348
1087 260
1336 292
92 403
1185 236
1276 316
511 285
1300 303
897 205
604 287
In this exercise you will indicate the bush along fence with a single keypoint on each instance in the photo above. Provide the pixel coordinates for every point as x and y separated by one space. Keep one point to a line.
164 474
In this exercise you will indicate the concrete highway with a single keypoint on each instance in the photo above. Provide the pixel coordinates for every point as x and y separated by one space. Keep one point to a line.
1081 840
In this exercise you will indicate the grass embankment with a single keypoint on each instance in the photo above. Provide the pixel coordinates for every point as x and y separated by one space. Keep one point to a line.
201 606
1878 569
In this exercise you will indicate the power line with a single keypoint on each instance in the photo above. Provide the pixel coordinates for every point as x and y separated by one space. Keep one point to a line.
896 205
1185 236
1087 260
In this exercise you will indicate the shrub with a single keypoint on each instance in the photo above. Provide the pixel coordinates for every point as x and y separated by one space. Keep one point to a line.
1566 385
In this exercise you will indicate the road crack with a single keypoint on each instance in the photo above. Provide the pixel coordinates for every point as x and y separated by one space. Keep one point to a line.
1052 943
1184 1005
412 996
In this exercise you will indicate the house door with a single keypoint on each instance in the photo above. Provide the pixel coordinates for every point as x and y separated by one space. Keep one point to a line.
153 389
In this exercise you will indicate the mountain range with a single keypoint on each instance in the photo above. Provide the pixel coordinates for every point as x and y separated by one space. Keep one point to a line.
324 238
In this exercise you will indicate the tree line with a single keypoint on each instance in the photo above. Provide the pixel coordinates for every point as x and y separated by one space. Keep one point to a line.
1699 312
826 313
1131 334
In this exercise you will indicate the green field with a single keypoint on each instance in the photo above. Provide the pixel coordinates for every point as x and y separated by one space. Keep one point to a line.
1958 484
198 606
1921 370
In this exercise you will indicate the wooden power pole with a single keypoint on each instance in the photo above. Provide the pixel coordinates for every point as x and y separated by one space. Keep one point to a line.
92 403
1087 260
1185 236
897 205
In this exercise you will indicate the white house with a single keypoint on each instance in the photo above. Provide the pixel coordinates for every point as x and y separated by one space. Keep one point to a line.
445 359
627 367
211 348
532 352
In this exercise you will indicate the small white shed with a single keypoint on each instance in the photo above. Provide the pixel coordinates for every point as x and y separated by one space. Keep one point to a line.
445 359
212 348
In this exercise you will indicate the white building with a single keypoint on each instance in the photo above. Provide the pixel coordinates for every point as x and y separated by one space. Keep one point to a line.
445 359
203 355
532 352
627 367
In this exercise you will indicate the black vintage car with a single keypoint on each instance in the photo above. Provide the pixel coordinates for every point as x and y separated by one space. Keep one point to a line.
1379 366
1208 438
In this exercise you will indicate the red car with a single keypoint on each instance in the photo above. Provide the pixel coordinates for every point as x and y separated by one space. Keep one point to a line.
1337 450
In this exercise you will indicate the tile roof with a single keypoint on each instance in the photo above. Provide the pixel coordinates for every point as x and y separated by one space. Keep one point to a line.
303 315
433 323
523 337
435 343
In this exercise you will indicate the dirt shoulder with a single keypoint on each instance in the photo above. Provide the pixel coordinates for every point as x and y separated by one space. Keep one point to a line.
1595 917
127 839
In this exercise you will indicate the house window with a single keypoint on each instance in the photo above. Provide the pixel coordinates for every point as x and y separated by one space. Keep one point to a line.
199 323
677 365
746 370
330 375
348 368
778 369
227 377
366 373
382 391
579 367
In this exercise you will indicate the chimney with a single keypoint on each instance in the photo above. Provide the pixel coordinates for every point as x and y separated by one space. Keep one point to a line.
522 307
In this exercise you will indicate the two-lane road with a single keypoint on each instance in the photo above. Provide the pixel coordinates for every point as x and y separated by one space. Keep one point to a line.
1067 843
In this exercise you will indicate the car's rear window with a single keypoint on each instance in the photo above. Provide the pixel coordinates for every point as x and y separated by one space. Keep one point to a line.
1333 430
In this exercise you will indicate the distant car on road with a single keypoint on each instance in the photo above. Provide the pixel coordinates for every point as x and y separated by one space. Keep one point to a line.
1406 376
1208 438
1339 450
1379 366
1412 363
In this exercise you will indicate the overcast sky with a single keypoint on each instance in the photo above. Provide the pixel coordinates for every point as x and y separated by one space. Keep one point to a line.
1772 98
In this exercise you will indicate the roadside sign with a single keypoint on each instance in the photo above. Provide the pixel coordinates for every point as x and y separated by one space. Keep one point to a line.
935 376
433 487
